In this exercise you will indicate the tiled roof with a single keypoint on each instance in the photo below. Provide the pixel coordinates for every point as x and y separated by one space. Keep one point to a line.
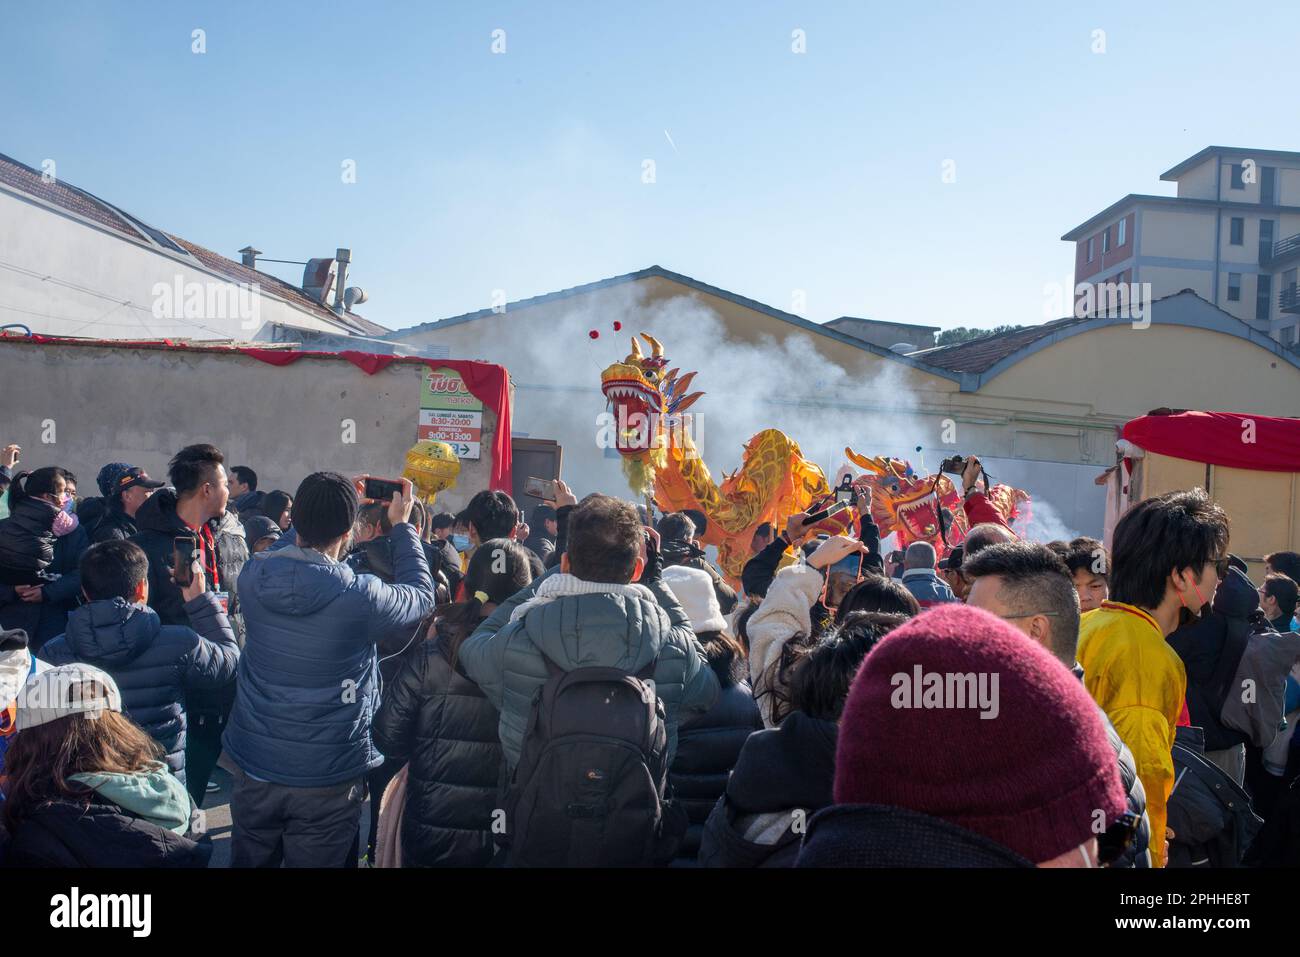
21 177
980 355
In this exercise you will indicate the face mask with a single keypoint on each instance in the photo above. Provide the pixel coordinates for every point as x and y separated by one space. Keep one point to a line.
70 505
460 542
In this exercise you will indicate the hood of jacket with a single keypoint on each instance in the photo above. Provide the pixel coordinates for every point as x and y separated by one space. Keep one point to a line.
34 515
1236 596
602 629
158 514
111 632
294 580
874 835
791 765
156 795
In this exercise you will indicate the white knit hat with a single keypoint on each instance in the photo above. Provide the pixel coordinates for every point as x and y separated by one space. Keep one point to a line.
65 691
694 589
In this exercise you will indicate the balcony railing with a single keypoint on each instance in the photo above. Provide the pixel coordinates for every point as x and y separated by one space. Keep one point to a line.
1283 247
1288 300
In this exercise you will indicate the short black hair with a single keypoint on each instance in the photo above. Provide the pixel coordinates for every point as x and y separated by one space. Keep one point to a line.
820 677
274 503
1035 579
1284 590
1159 536
876 593
245 475
1084 554
113 569
192 466
68 476
699 519
1288 563
493 514
604 540
442 520
981 537
676 526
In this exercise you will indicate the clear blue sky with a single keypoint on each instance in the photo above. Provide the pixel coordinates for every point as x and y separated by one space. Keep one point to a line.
522 171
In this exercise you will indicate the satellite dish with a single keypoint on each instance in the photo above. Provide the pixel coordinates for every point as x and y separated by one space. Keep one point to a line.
318 280
902 347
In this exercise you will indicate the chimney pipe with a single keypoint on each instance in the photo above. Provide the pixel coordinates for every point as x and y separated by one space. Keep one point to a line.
344 256
250 255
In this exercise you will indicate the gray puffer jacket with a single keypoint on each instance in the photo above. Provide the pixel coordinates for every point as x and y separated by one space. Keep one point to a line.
505 658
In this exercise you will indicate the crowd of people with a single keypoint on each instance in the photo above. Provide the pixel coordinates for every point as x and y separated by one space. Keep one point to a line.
585 689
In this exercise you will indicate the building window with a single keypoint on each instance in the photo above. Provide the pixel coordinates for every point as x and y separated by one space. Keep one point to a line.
1105 241
1234 287
1092 253
1236 176
1263 293
1122 230
1237 231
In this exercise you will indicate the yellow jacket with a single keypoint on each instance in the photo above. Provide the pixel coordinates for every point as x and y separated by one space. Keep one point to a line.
1140 682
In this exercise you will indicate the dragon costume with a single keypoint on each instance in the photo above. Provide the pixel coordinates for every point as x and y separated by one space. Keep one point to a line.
652 433
910 505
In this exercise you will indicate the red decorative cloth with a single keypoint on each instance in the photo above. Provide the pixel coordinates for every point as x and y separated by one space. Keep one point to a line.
1261 442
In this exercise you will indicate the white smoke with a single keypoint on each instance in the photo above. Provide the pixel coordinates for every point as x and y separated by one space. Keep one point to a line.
1045 524
748 385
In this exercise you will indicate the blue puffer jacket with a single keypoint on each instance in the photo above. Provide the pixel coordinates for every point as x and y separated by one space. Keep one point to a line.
307 677
153 664
505 658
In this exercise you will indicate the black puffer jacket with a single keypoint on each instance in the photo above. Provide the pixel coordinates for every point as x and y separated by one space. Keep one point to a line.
113 525
70 834
707 749
437 720
1210 815
153 664
783 776
159 525
27 541
375 557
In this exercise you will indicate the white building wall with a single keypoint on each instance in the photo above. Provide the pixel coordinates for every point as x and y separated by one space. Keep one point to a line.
62 276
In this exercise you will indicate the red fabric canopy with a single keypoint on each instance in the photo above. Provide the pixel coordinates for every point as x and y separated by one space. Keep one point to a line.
1261 442
486 381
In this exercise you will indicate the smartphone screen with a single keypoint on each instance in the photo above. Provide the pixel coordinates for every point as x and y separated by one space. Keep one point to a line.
381 490
183 549
540 488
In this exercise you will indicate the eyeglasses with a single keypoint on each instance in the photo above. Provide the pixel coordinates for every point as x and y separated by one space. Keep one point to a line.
1221 566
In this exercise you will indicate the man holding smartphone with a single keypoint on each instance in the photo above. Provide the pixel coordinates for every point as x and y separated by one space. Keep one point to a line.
313 625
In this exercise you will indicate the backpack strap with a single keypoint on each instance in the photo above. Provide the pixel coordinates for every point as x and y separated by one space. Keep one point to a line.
1236 637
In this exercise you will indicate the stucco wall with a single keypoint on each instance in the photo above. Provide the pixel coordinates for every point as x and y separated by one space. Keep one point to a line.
112 404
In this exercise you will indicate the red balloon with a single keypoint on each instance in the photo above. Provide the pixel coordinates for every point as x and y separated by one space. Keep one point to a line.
594 334
618 326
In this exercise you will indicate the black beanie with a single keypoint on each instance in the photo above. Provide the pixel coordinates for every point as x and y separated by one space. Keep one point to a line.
325 508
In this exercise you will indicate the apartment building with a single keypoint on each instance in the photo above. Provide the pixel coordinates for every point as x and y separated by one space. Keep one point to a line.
1231 234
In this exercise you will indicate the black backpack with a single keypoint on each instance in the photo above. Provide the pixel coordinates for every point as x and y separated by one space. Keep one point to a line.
589 789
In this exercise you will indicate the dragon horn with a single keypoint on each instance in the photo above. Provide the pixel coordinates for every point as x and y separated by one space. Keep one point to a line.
654 344
687 402
871 465
636 349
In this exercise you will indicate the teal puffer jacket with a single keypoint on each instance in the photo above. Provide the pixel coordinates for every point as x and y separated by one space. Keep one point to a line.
627 632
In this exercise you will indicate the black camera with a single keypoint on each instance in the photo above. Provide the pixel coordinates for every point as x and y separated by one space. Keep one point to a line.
845 492
953 465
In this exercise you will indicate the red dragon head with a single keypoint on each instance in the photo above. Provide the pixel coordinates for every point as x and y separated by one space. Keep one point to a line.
643 397
910 504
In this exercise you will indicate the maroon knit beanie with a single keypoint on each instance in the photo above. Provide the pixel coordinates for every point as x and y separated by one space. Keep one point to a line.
1031 776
